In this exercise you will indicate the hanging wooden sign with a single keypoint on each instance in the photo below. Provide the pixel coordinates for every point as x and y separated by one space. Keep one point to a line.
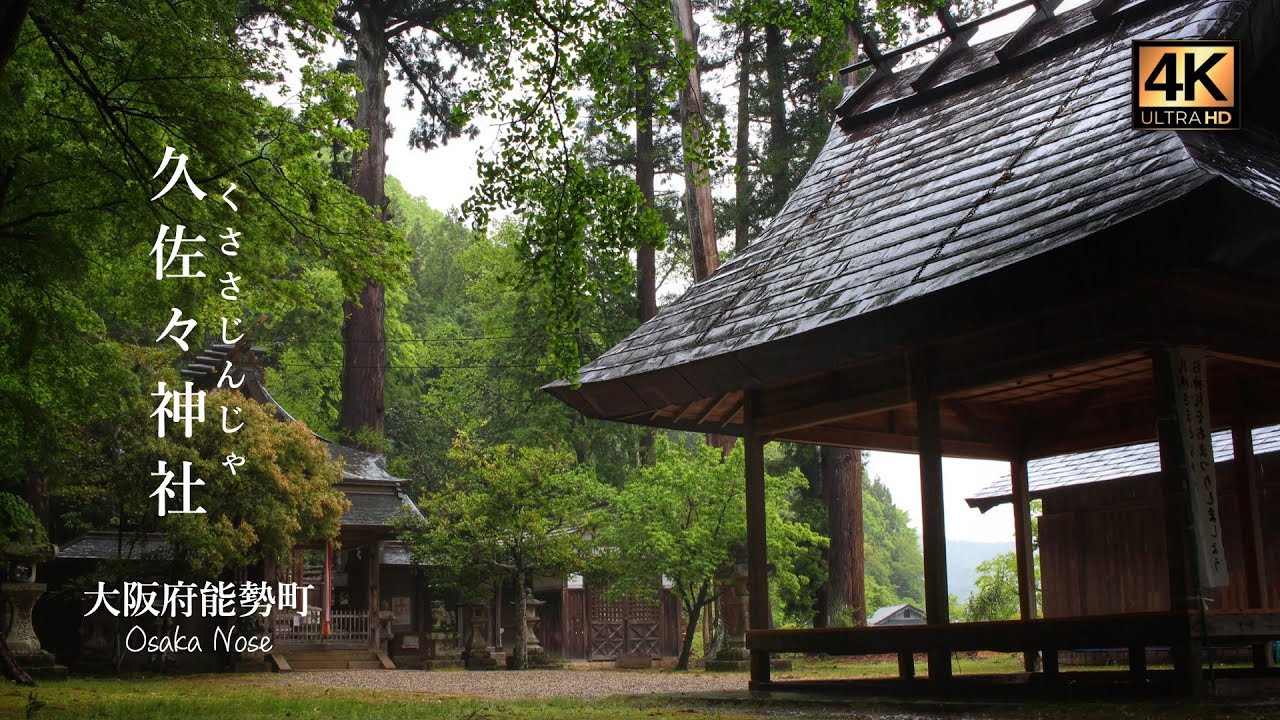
1191 393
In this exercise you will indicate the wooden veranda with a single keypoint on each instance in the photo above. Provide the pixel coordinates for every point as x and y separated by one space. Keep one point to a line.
986 261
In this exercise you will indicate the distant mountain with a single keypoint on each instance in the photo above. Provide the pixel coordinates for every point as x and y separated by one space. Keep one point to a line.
963 557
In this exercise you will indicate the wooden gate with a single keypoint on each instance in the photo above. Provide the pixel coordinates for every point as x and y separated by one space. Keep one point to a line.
625 627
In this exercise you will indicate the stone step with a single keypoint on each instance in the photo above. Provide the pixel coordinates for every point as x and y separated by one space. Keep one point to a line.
299 666
329 659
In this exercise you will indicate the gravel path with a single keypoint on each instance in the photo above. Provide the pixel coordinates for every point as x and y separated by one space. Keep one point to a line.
528 684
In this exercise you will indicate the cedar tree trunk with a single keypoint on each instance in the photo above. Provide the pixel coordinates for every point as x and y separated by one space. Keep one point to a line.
842 496
363 329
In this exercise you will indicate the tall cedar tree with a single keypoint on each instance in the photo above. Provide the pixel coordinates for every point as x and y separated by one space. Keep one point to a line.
412 38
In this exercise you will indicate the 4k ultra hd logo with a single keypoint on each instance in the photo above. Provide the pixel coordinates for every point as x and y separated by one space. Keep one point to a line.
1186 85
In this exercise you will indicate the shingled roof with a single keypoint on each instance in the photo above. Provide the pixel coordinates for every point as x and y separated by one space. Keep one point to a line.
99 545
1048 474
917 192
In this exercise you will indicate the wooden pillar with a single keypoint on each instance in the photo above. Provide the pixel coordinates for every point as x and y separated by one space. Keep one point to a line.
495 618
1024 548
1249 519
374 574
326 601
757 551
936 601
1179 544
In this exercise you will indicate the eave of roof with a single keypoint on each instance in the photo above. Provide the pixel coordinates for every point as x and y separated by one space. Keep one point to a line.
101 545
1047 475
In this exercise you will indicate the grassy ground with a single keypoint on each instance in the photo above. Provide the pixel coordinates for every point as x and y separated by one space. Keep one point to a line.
230 697
840 667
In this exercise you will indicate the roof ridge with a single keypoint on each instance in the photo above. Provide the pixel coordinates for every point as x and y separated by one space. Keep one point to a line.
1032 52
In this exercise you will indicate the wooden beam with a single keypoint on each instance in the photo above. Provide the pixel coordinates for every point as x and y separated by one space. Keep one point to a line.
711 408
1249 519
892 442
833 411
733 409
757 549
861 92
679 416
998 430
936 600
880 59
959 42
1105 8
1144 629
1018 40
1025 551
374 570
1177 519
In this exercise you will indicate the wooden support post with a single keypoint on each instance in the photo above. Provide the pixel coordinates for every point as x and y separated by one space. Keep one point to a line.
1179 545
936 601
495 618
906 665
1051 661
1025 551
1249 519
757 550
375 625
1137 664
326 601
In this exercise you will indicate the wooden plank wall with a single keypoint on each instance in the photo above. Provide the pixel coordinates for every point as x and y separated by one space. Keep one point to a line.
672 628
1102 546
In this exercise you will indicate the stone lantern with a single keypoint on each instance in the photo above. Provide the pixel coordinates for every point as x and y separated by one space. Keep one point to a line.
479 654
17 599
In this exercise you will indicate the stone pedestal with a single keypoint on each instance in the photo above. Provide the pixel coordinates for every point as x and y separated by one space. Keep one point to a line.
445 652
735 657
21 635
479 655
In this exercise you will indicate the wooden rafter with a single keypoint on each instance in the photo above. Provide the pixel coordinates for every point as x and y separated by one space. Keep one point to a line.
959 42
1045 10
733 410
875 58
706 414
684 409
1105 8
893 55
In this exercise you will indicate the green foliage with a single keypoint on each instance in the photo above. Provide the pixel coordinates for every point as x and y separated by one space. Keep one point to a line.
93 95
282 497
894 563
684 517
995 593
21 534
577 221
513 510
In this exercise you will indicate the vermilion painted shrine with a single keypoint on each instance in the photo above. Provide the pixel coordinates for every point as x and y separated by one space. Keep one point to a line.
987 261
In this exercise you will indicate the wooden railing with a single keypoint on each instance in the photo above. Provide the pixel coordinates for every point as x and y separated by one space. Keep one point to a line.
1134 631
345 625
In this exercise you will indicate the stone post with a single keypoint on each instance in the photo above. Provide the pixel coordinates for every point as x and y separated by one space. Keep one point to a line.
21 634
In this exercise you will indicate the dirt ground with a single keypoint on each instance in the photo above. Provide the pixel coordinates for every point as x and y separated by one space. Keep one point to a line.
529 684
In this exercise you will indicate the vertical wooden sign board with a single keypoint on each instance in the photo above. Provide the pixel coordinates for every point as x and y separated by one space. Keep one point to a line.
1192 396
